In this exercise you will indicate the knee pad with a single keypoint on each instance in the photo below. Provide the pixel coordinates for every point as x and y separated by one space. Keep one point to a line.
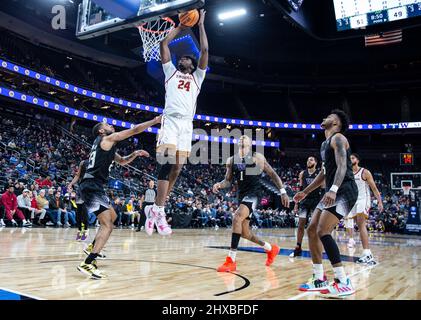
164 171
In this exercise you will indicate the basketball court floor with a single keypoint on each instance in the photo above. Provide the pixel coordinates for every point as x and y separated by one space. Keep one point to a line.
41 264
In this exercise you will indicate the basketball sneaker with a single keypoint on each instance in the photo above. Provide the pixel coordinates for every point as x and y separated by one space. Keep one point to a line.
228 265
272 254
351 243
339 289
297 252
89 249
162 225
314 284
84 235
79 236
367 259
92 271
150 219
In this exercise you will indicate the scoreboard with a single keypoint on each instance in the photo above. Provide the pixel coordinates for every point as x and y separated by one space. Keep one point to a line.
356 14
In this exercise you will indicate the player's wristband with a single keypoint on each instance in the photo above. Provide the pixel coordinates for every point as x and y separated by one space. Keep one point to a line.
334 188
283 191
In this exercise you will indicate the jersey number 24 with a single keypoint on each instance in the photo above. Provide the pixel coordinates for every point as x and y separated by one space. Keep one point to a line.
184 85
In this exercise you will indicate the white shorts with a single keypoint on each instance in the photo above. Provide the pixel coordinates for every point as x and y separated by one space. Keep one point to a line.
362 206
176 132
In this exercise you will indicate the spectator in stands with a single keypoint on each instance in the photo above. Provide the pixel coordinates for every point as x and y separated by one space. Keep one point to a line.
47 182
39 212
38 181
10 203
59 210
70 208
131 213
118 208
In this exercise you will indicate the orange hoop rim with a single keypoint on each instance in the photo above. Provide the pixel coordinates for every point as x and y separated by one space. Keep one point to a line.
142 28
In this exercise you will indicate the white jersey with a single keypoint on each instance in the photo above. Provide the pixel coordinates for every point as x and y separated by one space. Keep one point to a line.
182 91
363 187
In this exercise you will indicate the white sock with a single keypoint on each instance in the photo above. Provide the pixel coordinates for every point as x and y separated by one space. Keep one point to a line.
366 252
158 208
340 274
13 221
318 271
351 239
267 246
232 254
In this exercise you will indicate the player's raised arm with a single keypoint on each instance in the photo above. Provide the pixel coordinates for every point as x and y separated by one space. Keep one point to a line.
267 168
122 161
113 138
204 45
164 45
226 183
367 176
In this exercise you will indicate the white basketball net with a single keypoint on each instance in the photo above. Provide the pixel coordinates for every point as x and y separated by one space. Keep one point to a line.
152 33
406 190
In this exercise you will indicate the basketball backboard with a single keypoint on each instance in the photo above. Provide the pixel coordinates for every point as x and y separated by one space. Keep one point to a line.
99 17
399 180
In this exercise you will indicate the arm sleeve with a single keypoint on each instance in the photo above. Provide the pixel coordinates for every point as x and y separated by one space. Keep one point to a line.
169 70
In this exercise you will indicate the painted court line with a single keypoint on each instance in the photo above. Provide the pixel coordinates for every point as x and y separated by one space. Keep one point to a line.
21 294
304 294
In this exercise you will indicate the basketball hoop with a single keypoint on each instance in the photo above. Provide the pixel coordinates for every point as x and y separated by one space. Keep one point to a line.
406 190
152 33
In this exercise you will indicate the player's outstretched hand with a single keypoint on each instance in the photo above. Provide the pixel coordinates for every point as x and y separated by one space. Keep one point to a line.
216 188
285 200
158 119
202 17
299 196
142 153
329 199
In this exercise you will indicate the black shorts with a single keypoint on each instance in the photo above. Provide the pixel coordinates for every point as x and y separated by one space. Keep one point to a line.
250 201
79 199
307 208
346 197
94 197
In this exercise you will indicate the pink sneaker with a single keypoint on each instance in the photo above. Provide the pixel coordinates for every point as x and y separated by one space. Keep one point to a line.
161 224
150 219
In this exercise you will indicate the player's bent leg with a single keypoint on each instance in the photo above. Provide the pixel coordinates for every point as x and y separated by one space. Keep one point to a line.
237 229
272 250
349 226
366 257
342 284
181 159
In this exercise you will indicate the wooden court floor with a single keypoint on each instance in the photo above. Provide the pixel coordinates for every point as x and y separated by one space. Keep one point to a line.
41 263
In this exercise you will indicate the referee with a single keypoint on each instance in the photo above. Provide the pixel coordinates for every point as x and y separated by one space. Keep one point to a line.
148 199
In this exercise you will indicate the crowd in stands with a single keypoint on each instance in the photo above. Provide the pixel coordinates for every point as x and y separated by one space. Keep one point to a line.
38 160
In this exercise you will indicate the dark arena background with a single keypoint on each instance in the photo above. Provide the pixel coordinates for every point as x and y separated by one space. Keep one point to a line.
276 70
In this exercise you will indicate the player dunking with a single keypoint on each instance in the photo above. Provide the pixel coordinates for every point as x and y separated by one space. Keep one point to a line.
307 206
103 154
182 86
341 196
249 185
365 182
81 212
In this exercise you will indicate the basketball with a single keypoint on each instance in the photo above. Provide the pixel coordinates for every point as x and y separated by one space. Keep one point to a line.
189 18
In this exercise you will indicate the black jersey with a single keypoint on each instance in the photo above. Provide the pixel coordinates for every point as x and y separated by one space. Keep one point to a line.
248 183
99 162
330 167
307 180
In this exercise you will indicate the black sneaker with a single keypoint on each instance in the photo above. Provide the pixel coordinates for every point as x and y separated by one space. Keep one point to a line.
297 252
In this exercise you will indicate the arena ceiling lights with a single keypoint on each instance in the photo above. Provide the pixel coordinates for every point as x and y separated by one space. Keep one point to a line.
223 16
206 118
45 104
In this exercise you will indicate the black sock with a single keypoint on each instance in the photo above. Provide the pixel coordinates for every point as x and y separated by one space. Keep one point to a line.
331 249
93 243
299 245
235 240
91 257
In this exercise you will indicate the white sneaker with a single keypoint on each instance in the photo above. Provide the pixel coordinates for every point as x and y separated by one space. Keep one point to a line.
27 225
59 224
351 243
2 224
67 225
162 225
338 289
150 219
49 223
367 259
132 226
